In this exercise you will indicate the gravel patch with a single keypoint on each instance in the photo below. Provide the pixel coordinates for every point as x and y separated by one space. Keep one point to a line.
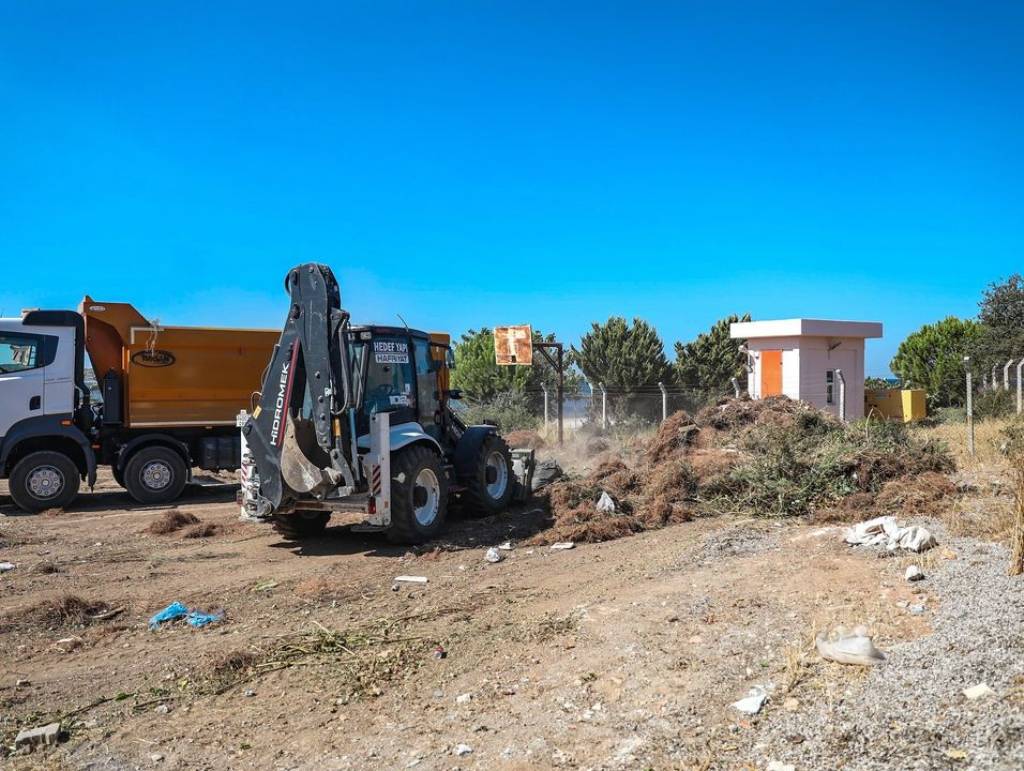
910 712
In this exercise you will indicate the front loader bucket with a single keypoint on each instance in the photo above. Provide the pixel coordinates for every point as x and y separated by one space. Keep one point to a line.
300 473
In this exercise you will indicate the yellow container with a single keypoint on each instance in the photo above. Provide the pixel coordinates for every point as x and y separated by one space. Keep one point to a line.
907 404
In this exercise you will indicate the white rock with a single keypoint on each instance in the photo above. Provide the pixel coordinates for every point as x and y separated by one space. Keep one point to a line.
752 703
162 709
156 757
463 749
914 573
493 555
978 691
464 698
43 735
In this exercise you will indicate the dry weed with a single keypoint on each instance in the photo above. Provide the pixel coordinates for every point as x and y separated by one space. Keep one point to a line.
170 521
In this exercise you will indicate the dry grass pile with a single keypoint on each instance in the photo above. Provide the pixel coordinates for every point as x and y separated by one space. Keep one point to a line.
170 521
69 610
202 530
774 457
525 438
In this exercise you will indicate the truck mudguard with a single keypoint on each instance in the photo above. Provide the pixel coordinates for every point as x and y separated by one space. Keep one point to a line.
165 439
468 448
42 427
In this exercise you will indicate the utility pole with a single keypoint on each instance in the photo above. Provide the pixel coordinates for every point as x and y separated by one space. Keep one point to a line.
557 364
842 394
664 401
970 407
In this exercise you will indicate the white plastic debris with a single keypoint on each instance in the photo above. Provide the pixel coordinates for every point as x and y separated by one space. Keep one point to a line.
978 691
886 532
411 579
605 504
463 749
5 566
563 545
914 573
752 703
493 555
507 546
853 647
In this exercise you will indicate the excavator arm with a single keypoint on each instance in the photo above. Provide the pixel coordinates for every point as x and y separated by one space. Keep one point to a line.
300 438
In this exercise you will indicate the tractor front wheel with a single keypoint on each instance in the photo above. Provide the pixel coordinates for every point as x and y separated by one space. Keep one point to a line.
419 495
489 489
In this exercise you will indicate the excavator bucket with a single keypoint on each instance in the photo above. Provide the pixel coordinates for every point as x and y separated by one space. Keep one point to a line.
300 473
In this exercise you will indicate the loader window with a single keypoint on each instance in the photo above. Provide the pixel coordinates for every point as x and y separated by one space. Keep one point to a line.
390 380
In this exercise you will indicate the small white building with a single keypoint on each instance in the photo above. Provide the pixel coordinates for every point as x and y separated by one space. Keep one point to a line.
799 358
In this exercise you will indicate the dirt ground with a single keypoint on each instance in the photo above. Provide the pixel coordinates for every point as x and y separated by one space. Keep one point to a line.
621 654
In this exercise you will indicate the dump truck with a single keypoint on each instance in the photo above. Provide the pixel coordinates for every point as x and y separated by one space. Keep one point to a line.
356 422
167 400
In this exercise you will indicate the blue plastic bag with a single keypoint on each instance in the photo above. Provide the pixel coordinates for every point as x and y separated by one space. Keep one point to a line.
171 612
199 619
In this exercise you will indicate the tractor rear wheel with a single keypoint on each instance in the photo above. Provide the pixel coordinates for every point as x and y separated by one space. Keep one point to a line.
301 525
489 490
419 495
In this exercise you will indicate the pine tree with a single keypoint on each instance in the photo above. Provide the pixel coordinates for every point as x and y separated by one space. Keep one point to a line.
707 365
622 357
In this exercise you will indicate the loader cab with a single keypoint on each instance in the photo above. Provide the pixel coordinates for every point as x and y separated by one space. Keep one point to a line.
397 370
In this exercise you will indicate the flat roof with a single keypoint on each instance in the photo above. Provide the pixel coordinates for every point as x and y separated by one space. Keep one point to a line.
805 328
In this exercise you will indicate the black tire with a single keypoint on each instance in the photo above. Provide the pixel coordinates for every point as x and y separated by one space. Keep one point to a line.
118 476
44 480
417 516
155 474
489 490
301 525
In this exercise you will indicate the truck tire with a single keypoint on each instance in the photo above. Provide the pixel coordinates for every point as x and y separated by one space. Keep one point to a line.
301 525
44 480
419 495
118 476
489 490
155 474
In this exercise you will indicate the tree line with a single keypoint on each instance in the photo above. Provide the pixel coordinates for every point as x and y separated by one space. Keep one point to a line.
626 357
933 357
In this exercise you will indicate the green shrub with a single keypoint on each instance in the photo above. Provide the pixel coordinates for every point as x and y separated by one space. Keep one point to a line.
509 411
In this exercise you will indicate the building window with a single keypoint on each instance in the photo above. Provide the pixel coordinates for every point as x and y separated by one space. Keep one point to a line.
830 386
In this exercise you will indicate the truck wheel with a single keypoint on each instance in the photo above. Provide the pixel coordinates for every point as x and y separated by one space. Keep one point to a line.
489 489
419 495
118 476
155 475
301 525
44 480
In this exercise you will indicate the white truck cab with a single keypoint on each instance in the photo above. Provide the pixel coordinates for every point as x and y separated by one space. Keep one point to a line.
43 450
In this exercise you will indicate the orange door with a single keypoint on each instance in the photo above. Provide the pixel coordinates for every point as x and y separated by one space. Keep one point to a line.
771 373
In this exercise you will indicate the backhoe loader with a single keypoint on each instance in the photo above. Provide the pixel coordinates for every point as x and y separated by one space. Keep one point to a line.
356 422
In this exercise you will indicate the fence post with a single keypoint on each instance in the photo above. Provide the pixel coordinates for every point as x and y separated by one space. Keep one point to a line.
970 407
664 401
1006 375
604 407
1020 401
544 388
995 377
842 394
735 387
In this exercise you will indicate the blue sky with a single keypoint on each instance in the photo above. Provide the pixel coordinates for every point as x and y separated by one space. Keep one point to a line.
469 164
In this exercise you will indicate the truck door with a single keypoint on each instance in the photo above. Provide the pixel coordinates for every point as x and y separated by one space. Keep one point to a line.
21 377
59 372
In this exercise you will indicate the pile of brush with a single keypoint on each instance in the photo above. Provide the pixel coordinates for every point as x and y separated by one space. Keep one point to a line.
774 457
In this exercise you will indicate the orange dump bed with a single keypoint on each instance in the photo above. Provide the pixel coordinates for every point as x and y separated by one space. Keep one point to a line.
175 376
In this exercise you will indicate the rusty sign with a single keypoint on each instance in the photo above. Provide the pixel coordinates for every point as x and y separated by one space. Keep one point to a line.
513 345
